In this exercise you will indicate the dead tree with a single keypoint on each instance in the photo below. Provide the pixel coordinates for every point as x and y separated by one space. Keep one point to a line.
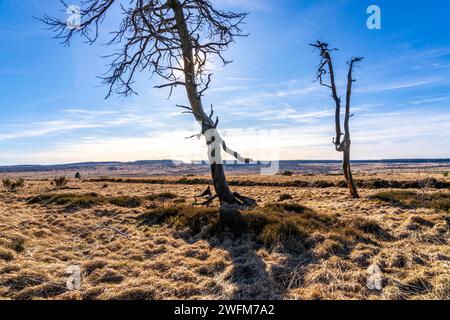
172 39
342 141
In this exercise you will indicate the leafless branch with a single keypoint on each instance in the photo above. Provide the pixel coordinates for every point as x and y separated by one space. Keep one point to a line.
149 38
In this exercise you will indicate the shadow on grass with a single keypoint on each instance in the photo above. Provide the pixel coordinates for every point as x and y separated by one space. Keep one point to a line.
287 228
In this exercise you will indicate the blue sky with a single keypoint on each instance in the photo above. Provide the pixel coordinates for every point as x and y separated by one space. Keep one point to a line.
53 109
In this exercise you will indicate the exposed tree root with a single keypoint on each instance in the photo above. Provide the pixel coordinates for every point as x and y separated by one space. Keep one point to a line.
240 201
245 201
208 195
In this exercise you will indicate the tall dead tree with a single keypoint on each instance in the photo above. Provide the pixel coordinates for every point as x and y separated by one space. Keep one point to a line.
342 140
172 39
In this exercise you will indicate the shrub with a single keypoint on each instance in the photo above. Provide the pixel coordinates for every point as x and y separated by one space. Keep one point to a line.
6 255
17 244
371 227
290 207
286 233
440 201
406 199
287 173
89 200
13 186
69 200
411 200
77 175
445 174
59 183
162 196
285 196
164 215
126 202
322 184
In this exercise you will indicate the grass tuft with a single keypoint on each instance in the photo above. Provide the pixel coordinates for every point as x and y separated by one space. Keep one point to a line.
162 196
285 196
59 183
6 255
413 200
69 200
371 227
17 244
125 202
13 186
88 200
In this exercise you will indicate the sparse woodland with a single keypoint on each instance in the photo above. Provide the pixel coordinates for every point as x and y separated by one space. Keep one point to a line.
208 236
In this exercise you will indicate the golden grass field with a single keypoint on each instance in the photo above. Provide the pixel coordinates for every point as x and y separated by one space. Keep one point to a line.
109 230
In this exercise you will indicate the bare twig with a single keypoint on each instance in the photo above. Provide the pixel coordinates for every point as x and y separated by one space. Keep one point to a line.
115 230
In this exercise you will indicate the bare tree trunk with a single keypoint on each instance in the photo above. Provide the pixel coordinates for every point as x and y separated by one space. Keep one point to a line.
347 141
341 144
220 184
348 174
165 36
208 125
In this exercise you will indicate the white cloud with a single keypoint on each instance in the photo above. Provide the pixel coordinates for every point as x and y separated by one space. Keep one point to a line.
397 85
79 119
287 113
46 128
374 136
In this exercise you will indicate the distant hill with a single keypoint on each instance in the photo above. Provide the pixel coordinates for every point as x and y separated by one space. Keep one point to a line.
161 164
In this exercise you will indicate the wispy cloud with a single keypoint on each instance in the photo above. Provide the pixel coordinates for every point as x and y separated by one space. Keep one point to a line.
407 84
375 136
430 100
45 128
288 113
81 119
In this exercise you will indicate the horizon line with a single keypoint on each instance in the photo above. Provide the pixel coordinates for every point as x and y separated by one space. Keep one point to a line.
229 162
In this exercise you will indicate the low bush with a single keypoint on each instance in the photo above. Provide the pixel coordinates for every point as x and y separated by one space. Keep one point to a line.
125 202
412 200
68 199
162 196
285 196
12 186
89 200
59 183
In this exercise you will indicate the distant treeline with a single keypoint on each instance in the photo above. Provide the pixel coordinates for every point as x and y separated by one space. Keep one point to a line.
284 164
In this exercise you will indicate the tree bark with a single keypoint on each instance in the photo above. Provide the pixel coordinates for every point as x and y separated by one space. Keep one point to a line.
217 168
220 184
347 141
348 174
342 141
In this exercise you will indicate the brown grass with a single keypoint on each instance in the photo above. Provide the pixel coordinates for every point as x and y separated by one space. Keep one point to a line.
70 200
135 241
412 200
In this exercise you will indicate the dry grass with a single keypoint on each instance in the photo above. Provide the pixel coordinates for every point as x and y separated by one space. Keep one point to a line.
412 200
135 241
74 201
